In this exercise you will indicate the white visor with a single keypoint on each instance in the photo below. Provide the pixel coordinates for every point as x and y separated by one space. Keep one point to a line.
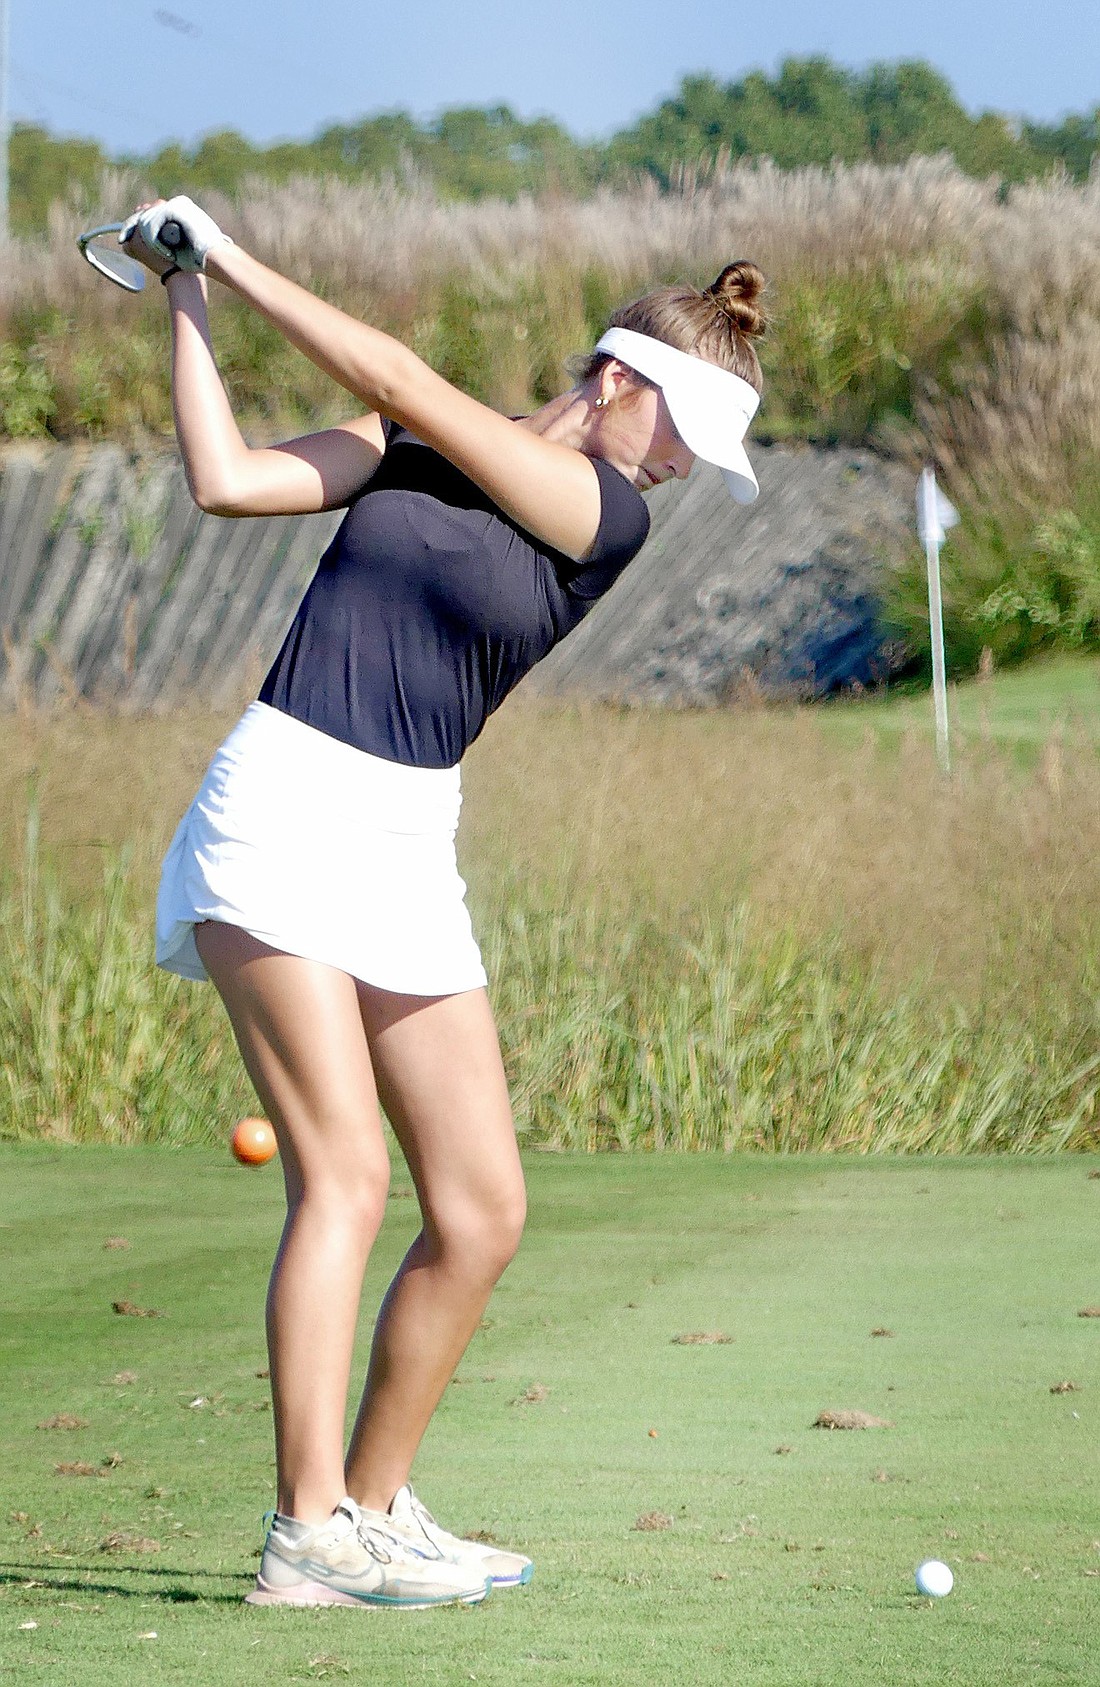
711 407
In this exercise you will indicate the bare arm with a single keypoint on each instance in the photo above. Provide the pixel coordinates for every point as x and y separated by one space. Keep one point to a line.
548 488
227 476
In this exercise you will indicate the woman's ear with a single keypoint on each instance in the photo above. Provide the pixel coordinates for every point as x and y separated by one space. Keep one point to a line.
616 381
607 384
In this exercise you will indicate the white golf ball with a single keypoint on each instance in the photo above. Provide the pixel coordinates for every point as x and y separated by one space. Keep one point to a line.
934 1578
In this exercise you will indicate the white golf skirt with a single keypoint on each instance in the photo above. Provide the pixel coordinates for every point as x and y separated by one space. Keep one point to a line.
321 850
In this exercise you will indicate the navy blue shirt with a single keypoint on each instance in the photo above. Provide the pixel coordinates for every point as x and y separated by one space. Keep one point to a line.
431 604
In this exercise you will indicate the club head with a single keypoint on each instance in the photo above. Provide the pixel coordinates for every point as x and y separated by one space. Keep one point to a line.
101 248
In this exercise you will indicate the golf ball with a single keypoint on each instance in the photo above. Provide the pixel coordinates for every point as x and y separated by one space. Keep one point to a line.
254 1142
934 1578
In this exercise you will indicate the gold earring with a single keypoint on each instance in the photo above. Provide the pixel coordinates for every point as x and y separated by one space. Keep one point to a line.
600 402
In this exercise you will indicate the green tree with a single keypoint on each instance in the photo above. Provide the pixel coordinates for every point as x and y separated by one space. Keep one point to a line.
808 114
1073 143
377 146
814 112
811 112
820 110
909 108
469 152
221 161
44 168
488 152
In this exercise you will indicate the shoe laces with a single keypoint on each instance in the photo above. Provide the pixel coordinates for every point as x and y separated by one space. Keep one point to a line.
422 1514
365 1529
370 1536
441 1543
386 1543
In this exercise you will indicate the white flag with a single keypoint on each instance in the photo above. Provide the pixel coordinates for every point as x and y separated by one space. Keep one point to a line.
935 513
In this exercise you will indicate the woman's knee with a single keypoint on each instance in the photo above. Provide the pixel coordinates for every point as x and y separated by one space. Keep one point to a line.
351 1189
506 1227
479 1233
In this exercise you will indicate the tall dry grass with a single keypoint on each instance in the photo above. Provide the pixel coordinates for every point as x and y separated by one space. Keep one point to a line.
877 273
913 307
702 930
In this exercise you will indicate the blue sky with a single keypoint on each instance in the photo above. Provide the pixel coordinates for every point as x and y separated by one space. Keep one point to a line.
133 73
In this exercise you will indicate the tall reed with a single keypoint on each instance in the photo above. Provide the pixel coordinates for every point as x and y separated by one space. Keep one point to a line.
702 931
614 1036
93 1043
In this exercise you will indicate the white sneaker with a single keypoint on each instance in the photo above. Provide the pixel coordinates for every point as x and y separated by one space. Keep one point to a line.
357 1558
409 1518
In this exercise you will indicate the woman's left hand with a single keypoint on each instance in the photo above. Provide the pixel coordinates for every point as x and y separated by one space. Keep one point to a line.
197 231
133 243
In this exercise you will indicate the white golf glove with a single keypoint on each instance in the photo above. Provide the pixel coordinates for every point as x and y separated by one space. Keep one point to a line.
200 232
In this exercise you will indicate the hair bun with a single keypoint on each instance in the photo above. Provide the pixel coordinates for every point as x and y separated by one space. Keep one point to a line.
735 291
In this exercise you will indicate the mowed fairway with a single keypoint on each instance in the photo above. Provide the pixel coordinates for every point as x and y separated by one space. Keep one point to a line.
789 1553
1020 710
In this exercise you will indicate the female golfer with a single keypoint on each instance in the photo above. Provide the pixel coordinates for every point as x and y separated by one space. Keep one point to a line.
314 879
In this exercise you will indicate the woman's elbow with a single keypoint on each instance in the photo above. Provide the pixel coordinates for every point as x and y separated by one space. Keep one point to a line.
214 496
391 382
220 506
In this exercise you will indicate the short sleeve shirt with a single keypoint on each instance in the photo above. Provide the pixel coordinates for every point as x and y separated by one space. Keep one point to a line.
431 604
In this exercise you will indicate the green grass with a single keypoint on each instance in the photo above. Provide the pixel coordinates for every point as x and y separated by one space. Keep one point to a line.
792 1569
1016 709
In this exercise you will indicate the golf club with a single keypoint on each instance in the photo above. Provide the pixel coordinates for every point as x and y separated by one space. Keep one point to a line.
101 248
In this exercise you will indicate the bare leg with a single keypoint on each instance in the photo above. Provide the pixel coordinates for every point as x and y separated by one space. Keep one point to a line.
300 1031
440 1077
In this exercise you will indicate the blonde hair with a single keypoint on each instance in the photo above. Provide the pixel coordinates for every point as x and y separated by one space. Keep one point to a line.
718 322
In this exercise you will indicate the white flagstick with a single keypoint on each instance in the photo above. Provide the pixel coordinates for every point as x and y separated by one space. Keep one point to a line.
934 516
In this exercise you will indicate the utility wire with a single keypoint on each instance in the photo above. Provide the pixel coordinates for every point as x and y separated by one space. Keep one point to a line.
78 97
200 38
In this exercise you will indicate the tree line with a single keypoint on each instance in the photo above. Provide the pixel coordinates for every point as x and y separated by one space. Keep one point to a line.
811 112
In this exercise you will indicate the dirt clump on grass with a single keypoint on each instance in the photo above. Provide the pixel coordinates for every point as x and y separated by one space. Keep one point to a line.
651 1520
63 1420
534 1395
1089 1312
122 1540
117 1243
702 1338
80 1467
882 1331
327 1664
1065 1387
850 1420
127 1309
